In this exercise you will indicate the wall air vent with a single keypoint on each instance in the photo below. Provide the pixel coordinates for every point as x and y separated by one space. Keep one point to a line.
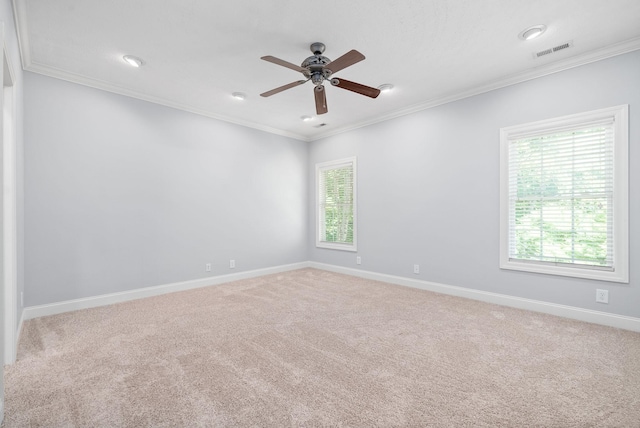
553 49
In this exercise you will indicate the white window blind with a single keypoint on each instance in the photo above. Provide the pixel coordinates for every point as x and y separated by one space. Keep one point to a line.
561 196
564 195
336 204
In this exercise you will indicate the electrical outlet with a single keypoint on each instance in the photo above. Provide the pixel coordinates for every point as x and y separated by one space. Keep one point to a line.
207 267
358 260
416 269
232 264
602 296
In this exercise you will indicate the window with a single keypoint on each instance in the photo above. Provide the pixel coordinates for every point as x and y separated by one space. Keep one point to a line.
336 187
564 196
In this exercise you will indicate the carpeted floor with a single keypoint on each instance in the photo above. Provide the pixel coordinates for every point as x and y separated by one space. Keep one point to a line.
312 348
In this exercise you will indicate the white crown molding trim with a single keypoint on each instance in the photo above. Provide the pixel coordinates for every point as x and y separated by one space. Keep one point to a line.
125 296
571 312
534 73
45 70
22 30
19 8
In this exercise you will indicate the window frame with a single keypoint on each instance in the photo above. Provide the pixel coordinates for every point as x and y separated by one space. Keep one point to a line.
335 164
620 271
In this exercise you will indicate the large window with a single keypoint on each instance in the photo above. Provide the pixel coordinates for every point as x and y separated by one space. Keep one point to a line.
564 196
336 204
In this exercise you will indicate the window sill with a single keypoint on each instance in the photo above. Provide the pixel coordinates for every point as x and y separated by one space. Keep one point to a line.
337 246
575 272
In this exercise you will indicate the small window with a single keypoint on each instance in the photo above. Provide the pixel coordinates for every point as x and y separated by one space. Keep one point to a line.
336 204
564 196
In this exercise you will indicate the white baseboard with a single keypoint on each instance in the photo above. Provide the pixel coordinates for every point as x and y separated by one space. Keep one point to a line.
10 356
587 315
20 323
596 317
124 296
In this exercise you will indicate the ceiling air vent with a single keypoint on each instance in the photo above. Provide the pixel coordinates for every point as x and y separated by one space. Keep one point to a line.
553 49
564 46
544 52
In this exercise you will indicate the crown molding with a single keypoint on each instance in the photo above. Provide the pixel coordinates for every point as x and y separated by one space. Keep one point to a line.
22 30
513 79
109 87
20 15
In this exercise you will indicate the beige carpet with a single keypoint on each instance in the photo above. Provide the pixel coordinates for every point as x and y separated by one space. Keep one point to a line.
311 348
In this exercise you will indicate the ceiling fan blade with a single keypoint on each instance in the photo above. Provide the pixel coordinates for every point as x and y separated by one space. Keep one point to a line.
321 99
345 61
356 87
282 88
283 63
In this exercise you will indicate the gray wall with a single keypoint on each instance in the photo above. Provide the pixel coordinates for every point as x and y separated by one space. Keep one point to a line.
122 194
428 186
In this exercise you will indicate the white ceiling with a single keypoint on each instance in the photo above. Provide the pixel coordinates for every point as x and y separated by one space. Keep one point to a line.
198 52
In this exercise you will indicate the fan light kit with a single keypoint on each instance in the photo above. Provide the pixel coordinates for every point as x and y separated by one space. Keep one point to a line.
305 118
239 96
387 87
133 61
532 32
318 68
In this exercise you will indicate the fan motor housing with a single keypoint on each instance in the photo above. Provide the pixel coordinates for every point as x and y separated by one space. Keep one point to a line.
314 64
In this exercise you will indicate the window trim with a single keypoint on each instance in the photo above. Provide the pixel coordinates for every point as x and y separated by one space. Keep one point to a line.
337 245
620 272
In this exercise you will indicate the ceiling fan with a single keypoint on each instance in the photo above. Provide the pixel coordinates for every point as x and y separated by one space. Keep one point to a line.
318 68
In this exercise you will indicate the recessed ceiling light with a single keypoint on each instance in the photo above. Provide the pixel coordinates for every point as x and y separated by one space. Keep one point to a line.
532 32
387 87
239 95
133 61
305 118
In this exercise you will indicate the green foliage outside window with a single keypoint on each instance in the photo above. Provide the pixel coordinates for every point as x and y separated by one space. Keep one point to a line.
563 197
337 204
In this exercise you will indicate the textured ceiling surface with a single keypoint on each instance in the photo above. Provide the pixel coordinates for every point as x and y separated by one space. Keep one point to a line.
198 52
